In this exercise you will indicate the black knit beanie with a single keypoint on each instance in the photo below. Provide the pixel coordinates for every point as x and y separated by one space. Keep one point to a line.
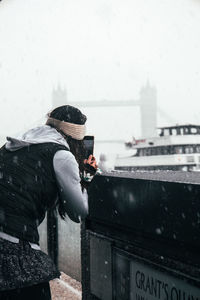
68 113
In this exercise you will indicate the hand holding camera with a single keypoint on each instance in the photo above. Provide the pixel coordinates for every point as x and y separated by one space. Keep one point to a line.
90 165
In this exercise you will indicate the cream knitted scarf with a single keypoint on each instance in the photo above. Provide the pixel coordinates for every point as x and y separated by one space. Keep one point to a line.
76 131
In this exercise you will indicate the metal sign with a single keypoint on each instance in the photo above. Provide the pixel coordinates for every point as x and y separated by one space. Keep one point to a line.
146 283
135 280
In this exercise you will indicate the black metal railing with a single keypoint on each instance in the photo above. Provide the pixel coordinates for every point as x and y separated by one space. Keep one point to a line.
141 239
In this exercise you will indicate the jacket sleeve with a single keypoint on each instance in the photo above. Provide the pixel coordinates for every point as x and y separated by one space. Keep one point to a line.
67 175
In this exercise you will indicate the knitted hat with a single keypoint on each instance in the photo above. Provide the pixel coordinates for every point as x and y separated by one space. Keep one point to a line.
69 120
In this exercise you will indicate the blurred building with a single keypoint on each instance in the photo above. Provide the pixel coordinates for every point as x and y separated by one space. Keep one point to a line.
148 110
147 103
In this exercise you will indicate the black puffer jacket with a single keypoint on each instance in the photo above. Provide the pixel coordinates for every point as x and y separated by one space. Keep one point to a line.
27 188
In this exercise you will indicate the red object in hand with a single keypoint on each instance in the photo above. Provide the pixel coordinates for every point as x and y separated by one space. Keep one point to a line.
91 164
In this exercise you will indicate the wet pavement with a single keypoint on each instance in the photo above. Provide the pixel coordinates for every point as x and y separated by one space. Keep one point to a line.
65 288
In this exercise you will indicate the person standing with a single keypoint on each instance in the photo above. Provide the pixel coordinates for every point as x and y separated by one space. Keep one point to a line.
41 169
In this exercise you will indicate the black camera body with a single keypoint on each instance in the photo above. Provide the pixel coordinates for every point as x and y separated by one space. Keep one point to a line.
88 142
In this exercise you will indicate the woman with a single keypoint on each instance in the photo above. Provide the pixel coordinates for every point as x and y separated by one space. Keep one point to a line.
44 168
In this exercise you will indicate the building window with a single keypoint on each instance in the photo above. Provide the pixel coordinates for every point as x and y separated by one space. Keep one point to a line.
194 130
198 149
189 149
178 150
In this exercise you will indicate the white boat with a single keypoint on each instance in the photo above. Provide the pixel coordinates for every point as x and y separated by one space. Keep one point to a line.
175 148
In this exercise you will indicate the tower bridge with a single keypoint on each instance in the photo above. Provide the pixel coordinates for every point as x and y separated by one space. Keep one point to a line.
106 103
147 104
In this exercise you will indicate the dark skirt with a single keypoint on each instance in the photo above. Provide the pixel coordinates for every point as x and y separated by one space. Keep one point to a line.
22 266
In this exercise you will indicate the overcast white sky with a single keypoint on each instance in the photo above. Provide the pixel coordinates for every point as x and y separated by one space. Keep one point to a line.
102 49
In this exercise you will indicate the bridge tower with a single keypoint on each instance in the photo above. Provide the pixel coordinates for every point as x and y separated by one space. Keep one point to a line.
59 96
148 110
147 103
